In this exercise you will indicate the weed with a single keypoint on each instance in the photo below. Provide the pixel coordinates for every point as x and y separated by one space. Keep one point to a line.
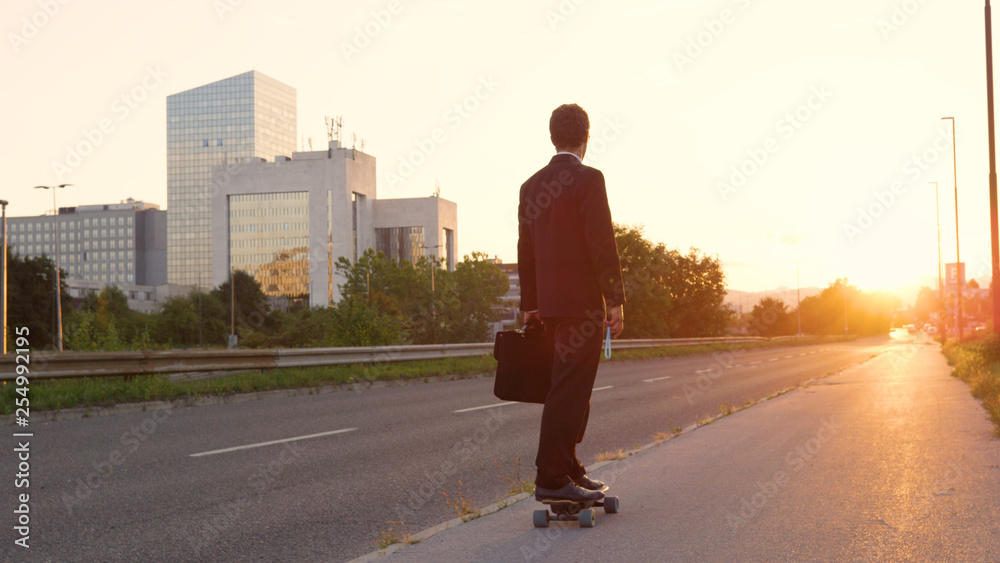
390 537
461 505
518 484
726 409
608 456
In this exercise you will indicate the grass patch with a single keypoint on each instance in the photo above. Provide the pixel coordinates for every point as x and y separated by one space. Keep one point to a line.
612 456
393 536
47 395
978 364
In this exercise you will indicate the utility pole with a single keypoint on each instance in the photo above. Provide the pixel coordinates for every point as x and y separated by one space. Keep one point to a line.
3 302
994 229
55 221
958 257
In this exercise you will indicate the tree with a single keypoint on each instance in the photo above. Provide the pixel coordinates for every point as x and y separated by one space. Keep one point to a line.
479 285
928 302
180 323
421 303
32 301
770 318
252 308
669 294
840 303
105 322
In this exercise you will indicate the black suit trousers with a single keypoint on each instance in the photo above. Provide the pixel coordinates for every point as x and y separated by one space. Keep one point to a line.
567 406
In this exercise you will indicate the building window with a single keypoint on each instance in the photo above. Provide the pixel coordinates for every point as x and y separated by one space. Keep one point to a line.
401 243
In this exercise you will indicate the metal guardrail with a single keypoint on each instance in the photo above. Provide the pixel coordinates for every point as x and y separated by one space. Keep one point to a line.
54 365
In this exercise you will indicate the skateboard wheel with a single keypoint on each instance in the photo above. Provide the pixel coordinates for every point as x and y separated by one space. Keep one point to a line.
541 518
587 518
610 505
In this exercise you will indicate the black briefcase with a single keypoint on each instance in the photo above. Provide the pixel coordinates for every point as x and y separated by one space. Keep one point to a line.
524 364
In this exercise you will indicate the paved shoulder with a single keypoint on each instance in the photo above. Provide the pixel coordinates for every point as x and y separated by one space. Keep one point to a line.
889 460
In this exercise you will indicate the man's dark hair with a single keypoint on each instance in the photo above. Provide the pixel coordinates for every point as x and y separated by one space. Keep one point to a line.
569 126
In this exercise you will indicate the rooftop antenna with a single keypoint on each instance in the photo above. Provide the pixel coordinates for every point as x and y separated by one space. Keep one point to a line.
310 143
362 144
334 125
354 140
437 188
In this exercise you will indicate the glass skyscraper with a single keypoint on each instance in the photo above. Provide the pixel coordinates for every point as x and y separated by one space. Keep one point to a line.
212 131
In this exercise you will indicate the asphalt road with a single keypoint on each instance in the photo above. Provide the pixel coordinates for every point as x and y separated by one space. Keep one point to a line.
222 483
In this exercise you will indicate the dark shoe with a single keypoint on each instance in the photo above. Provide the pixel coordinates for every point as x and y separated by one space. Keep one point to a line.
585 482
569 492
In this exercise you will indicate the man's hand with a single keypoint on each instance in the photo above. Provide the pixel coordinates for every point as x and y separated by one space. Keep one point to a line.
530 316
616 320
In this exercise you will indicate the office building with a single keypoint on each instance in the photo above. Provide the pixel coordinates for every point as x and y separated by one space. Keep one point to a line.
216 128
121 244
287 222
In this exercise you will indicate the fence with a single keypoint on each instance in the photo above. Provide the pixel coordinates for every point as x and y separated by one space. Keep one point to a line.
52 365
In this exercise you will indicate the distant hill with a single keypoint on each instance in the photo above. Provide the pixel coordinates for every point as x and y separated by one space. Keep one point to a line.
747 299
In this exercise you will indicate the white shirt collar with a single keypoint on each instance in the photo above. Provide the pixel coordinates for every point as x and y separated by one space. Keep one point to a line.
571 153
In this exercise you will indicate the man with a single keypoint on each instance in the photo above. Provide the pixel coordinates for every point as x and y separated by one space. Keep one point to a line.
571 280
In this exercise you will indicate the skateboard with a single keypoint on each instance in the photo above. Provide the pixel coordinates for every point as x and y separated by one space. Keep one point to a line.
569 510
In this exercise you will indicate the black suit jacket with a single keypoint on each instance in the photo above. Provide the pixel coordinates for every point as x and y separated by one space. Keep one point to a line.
566 253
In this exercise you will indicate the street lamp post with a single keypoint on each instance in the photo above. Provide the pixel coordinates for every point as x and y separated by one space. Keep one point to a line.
3 281
958 256
433 267
55 220
994 228
937 203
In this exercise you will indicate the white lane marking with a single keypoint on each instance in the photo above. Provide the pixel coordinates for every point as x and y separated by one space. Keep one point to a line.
657 379
792 356
773 360
802 354
604 388
486 407
272 442
705 370
755 363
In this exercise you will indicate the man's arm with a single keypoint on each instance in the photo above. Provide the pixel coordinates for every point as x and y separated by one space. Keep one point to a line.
600 233
526 259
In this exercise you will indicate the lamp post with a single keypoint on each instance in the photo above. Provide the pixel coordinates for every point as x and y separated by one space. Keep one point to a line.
958 257
3 281
55 220
994 228
937 203
433 267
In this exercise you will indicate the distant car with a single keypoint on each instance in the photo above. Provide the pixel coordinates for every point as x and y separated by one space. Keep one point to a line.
910 328
930 329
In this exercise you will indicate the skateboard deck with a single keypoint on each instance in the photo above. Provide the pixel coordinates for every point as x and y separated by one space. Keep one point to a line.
570 510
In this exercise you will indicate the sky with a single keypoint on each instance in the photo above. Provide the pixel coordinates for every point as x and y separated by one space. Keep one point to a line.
796 141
